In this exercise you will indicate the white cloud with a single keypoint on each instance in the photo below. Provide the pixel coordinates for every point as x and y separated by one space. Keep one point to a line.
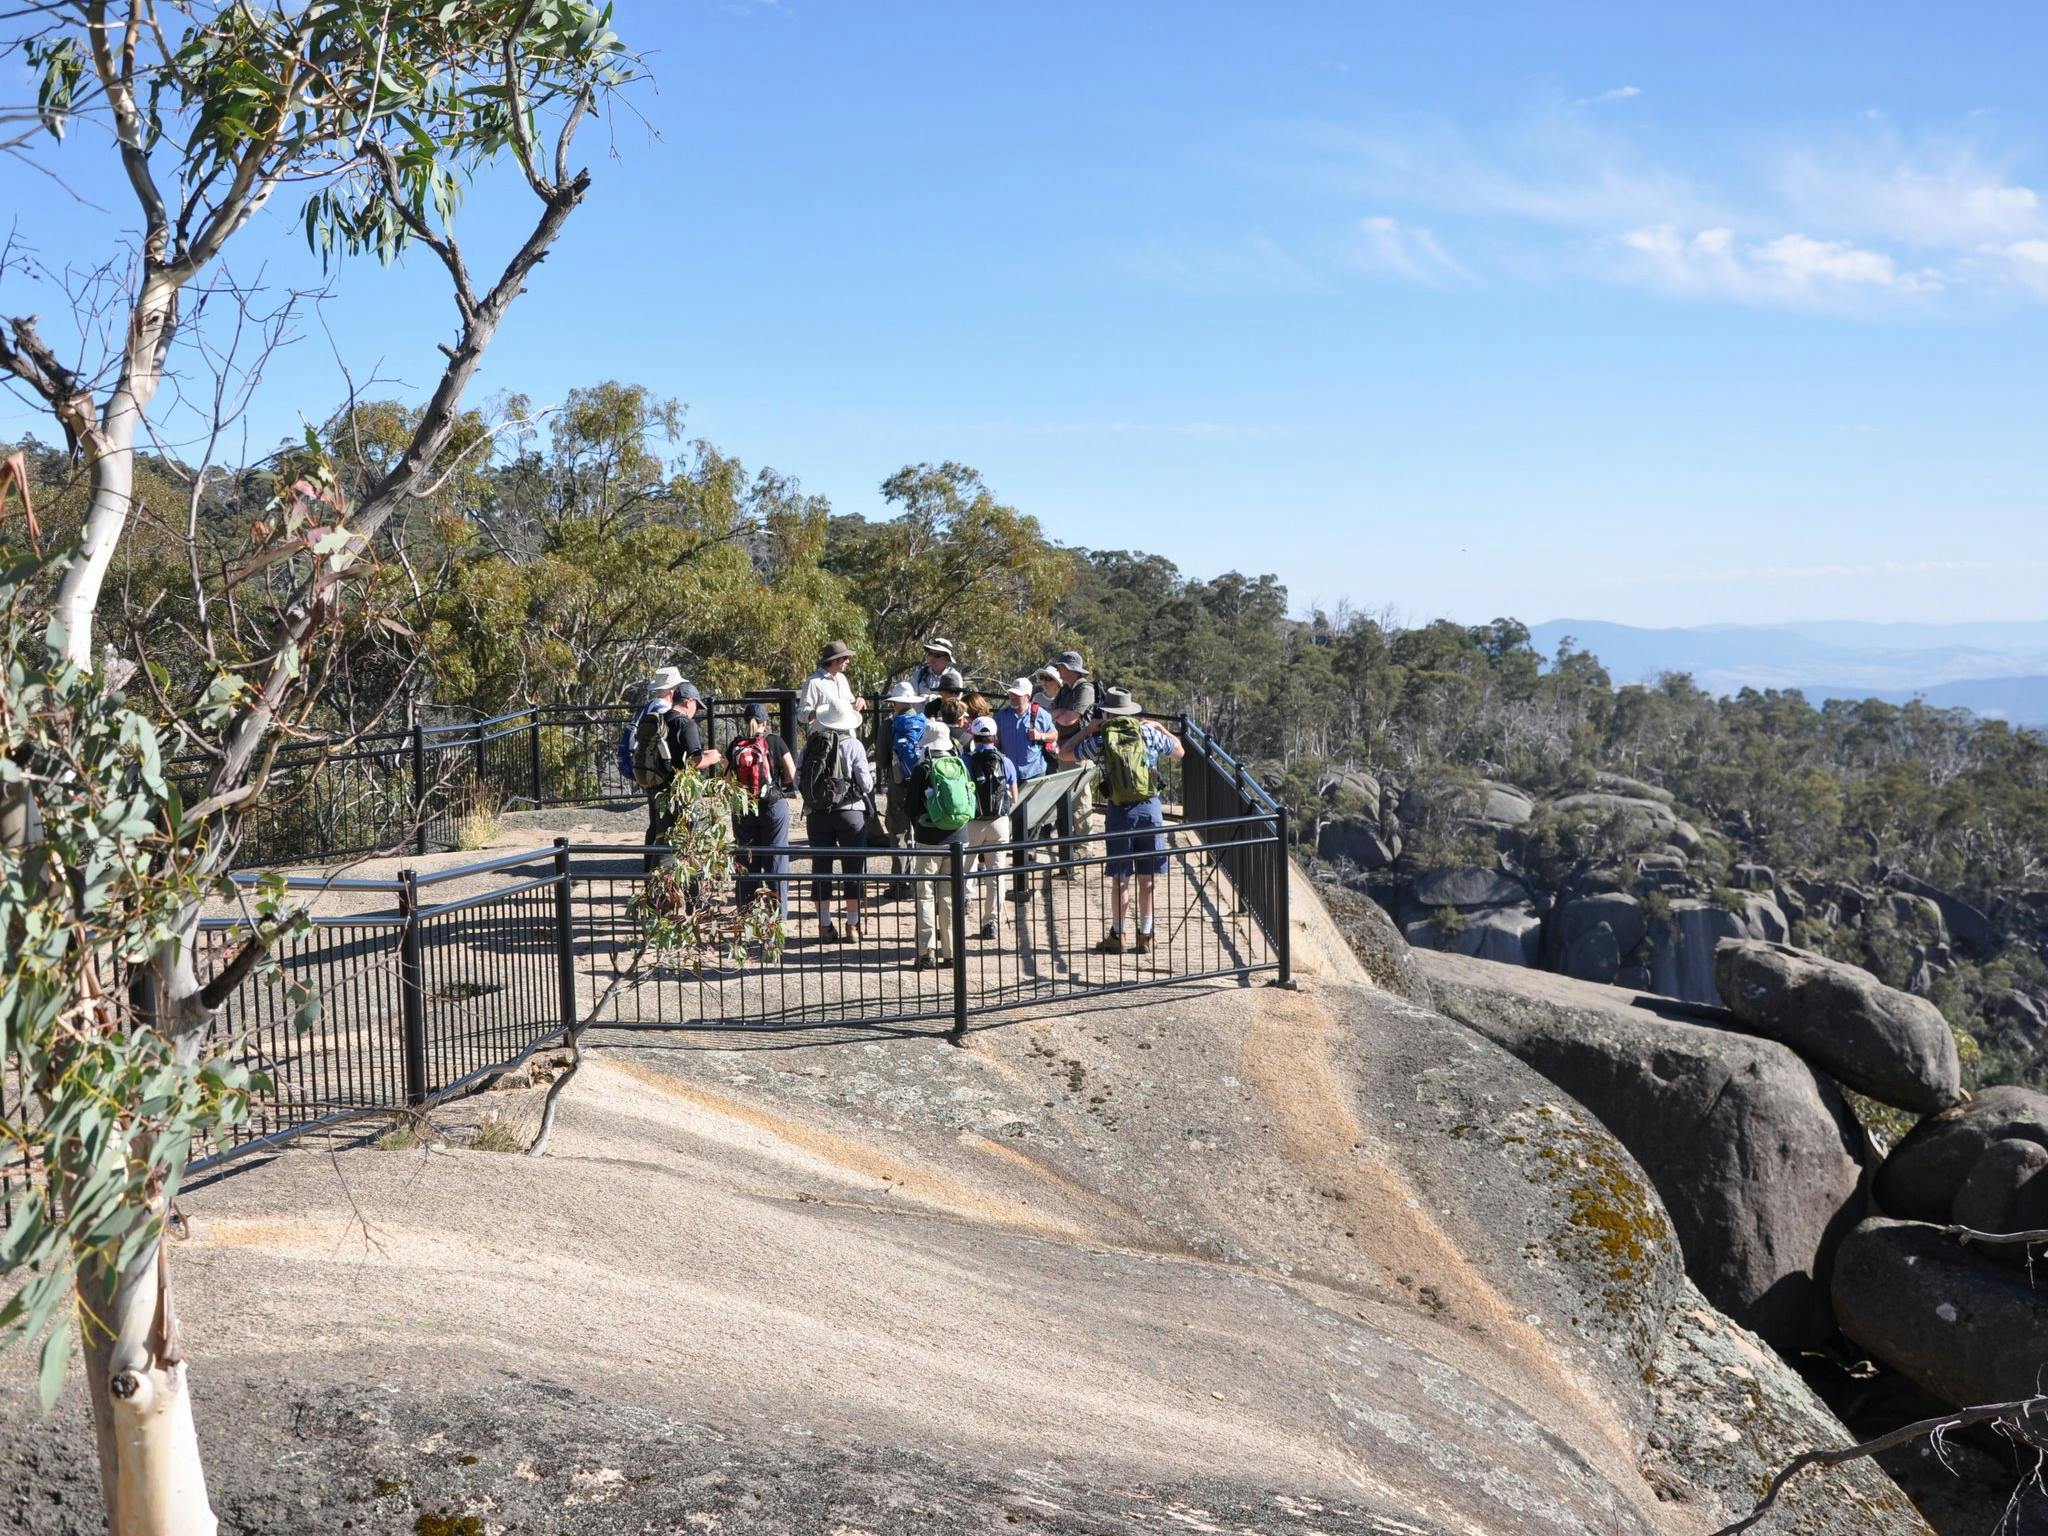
1387 245
1619 93
1791 268
2021 261
1945 198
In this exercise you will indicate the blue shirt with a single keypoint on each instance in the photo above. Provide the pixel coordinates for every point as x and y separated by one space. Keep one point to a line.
1157 744
1013 733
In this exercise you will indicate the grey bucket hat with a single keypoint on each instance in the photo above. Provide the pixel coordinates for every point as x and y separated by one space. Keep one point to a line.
1118 701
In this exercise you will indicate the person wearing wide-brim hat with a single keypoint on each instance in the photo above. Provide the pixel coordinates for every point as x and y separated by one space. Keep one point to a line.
828 682
938 656
903 749
673 705
1128 751
836 824
934 896
1073 706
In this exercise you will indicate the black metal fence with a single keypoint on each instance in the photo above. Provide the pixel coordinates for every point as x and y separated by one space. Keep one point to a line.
333 798
431 998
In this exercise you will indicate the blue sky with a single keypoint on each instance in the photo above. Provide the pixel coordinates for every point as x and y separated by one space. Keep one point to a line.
1608 311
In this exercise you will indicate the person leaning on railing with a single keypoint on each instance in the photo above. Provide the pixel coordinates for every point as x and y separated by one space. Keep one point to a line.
1128 750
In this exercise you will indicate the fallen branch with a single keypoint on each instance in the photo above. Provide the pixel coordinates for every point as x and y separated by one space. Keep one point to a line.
1972 1235
2018 1420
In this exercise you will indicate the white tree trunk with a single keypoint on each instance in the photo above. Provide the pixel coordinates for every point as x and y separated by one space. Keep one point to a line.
110 450
150 1473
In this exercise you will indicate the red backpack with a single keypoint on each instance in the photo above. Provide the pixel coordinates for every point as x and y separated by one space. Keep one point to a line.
753 765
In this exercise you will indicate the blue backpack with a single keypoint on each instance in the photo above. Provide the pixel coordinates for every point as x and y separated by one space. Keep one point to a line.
625 756
906 740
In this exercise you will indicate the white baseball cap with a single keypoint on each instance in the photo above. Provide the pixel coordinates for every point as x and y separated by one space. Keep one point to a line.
983 725
1021 689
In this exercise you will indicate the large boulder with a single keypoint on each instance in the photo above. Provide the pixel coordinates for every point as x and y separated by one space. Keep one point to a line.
1889 1044
1682 950
1505 804
1351 792
1755 1155
2007 1190
1653 817
1357 840
1966 924
1634 789
1592 936
1467 887
1765 919
1957 1325
1504 935
1929 1169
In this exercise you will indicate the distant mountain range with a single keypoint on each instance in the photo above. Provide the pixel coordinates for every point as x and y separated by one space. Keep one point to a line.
1999 670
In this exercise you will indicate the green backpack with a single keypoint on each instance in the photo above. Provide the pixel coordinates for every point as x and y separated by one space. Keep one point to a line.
948 794
1125 764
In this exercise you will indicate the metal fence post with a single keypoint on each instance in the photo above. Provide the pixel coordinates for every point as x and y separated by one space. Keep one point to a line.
412 990
1283 930
565 937
957 873
533 753
419 787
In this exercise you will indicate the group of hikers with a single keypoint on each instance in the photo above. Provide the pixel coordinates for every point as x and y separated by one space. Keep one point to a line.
954 770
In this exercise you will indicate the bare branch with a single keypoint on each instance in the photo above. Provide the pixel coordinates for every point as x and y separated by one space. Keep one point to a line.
2020 1419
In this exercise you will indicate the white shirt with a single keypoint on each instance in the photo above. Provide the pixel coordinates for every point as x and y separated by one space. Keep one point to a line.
819 689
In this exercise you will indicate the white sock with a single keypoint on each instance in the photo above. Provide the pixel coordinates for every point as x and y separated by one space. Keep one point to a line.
1144 925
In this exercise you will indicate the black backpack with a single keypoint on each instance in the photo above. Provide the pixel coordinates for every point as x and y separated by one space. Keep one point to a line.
822 778
991 789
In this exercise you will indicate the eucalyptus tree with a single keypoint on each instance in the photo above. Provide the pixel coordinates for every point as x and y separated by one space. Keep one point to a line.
371 119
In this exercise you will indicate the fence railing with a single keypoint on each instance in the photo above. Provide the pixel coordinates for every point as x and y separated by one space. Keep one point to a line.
433 984
333 798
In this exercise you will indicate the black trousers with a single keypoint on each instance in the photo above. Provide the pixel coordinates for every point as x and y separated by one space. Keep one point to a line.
767 827
661 821
839 839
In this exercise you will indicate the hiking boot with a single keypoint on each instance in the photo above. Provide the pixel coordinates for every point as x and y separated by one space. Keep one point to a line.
1111 943
1144 944
924 963
1018 896
988 931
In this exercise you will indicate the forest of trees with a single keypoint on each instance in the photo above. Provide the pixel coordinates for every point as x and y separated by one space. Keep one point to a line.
566 558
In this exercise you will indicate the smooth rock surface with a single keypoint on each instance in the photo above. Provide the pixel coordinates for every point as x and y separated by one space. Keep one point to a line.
1592 935
1893 1046
1466 886
1927 1170
1357 840
2007 1190
1682 952
1756 1157
1958 1326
